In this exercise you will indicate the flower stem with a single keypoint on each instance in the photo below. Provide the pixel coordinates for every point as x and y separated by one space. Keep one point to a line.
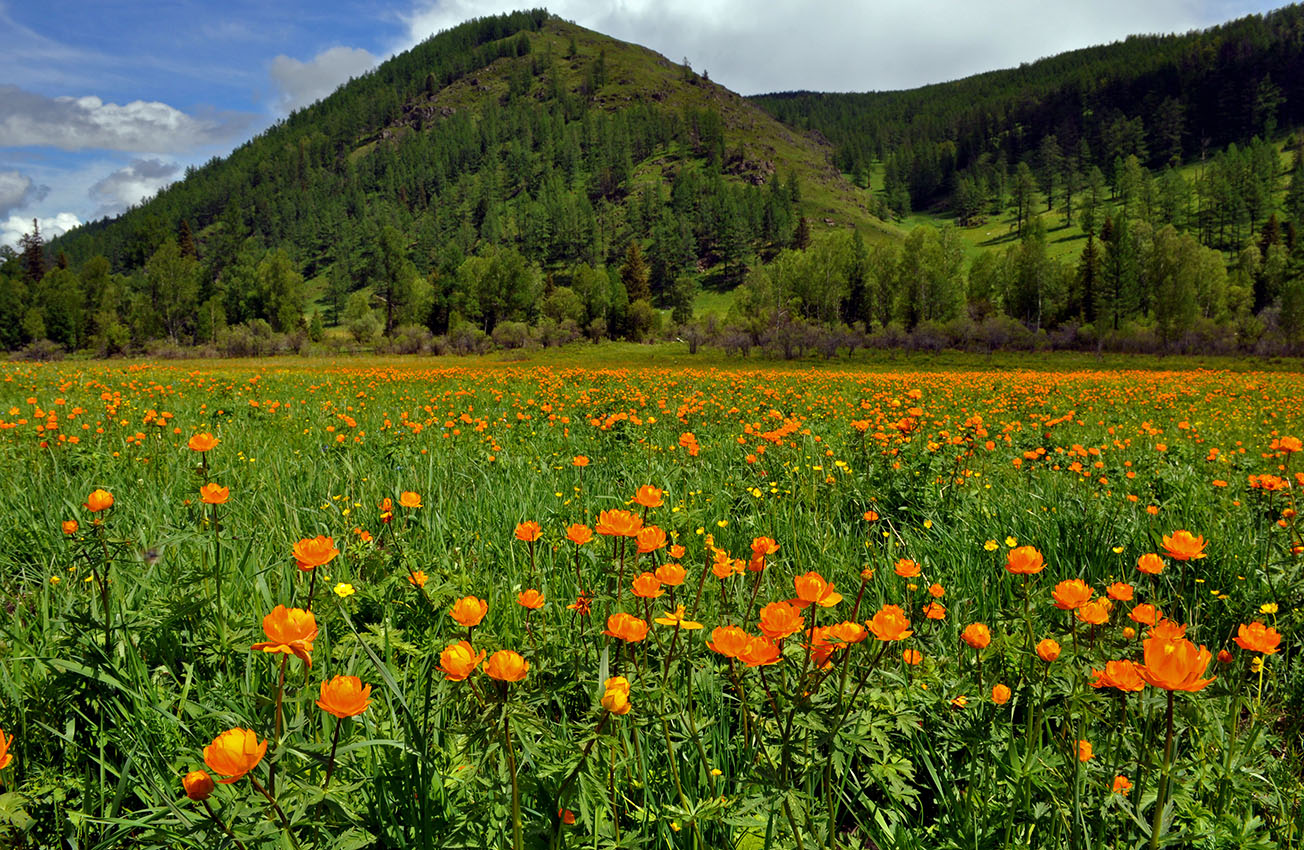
1161 800
217 820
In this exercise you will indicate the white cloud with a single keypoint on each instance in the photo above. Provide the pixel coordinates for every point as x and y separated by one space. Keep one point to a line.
78 123
823 45
12 229
130 185
17 190
302 83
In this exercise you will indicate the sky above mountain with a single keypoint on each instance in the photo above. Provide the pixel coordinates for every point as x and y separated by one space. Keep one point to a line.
107 101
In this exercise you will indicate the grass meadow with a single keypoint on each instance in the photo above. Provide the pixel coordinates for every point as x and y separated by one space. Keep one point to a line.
673 607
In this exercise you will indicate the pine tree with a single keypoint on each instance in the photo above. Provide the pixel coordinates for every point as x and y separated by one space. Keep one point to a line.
186 242
634 274
32 249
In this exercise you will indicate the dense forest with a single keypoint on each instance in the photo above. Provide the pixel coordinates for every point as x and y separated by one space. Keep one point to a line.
520 181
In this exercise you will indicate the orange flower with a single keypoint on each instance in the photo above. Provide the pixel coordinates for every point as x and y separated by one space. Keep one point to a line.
459 660
582 605
906 568
1001 694
676 551
618 523
1084 751
616 695
671 574
233 754
626 627
566 815
344 696
6 758
1182 545
198 784
1072 594
1259 638
1224 657
579 534
99 500
650 538
677 618
1048 650
1096 612
1175 665
847 632
69 526
313 552
469 611
290 631
506 666
1120 591
1167 630
871 516
812 589
580 460
408 499
935 611
936 591
763 546
648 586
648 496
760 652
729 641
202 442
1025 560
890 623
780 619
529 531
1145 614
1121 784
1150 564
213 494
913 657
1122 675
976 635
531 599
418 578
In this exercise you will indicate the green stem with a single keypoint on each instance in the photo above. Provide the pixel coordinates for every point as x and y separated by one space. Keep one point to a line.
1161 800
516 790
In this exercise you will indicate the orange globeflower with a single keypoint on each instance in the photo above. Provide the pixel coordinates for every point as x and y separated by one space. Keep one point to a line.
1167 630
580 460
214 494
677 551
99 500
618 523
1121 784
469 611
408 499
1048 650
936 591
847 632
648 496
729 641
890 623
529 531
1259 638
1175 665
760 652
648 586
69 526
459 660
1121 675
1182 545
913 657
1072 594
762 546
579 534
233 754
531 599
626 627
1096 612
418 578
935 611
344 696
202 442
198 784
906 568
871 516
313 552
290 631
615 697
506 666
1120 591
6 758
671 574
650 538
976 635
780 619
1001 694
1145 614
1150 564
812 589
1025 560
677 618
1084 751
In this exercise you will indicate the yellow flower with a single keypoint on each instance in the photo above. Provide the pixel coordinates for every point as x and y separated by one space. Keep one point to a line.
991 545
1268 608
343 591
1011 541
1256 665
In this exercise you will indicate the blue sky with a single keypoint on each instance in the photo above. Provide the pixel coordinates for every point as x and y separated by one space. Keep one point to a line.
102 103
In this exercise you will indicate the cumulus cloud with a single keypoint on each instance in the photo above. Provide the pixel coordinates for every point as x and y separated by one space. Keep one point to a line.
17 189
13 228
130 185
302 83
779 45
79 123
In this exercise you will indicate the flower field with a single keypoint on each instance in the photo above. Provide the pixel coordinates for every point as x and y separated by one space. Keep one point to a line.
393 605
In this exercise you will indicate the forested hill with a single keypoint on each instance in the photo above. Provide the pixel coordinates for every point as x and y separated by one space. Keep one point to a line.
523 142
1165 99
